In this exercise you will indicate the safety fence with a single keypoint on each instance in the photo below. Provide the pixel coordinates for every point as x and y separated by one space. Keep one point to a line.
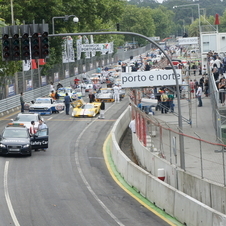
203 157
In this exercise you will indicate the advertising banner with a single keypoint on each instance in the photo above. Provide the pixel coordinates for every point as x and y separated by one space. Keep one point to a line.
11 90
28 85
150 78
56 77
68 54
86 41
78 44
43 80
188 41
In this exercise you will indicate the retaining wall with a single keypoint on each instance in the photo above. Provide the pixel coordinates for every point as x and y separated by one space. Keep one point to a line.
174 195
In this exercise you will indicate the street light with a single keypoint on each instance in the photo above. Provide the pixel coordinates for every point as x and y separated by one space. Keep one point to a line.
66 17
177 6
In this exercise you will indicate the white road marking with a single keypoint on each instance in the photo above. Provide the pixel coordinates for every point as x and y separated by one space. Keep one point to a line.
6 191
49 118
86 182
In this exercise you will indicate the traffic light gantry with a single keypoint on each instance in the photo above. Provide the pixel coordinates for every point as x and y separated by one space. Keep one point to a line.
24 42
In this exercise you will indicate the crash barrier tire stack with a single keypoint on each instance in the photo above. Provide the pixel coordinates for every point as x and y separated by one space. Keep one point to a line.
172 199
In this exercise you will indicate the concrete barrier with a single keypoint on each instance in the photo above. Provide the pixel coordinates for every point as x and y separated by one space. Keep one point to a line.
174 195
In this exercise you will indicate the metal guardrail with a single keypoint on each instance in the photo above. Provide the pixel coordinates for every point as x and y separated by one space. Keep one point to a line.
83 66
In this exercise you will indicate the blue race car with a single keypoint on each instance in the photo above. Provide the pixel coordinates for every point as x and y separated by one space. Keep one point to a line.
46 106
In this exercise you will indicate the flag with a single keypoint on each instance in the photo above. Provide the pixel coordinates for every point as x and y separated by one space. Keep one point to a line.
33 64
26 65
42 61
217 21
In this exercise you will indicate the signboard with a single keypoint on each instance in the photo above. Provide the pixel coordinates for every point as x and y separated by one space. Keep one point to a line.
91 47
150 78
102 47
188 41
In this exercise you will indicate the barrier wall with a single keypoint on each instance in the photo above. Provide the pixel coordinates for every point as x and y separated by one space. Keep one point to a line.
176 202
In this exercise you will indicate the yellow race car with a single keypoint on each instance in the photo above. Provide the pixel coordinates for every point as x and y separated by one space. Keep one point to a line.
85 110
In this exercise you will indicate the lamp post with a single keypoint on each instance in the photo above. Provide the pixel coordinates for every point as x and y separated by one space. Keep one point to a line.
12 13
176 6
66 17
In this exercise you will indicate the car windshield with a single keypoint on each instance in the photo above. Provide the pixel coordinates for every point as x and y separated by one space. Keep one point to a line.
87 106
43 101
26 118
15 133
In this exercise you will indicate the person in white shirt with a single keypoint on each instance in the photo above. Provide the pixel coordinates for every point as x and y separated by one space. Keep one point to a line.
32 129
218 62
42 126
51 87
199 95
116 93
132 126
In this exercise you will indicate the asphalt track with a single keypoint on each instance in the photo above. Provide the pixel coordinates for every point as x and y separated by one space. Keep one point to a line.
73 183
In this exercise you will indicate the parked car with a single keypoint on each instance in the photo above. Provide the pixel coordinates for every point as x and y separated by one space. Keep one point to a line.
26 118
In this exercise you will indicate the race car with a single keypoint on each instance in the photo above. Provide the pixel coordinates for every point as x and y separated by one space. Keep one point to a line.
106 94
46 106
63 90
82 109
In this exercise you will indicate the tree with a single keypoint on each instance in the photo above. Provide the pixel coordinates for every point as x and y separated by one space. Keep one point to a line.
163 21
138 20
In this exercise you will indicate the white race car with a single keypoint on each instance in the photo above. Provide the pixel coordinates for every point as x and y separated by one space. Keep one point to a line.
46 106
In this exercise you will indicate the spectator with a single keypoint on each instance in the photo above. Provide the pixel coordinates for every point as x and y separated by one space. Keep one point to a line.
102 109
132 126
192 88
147 67
170 101
59 85
41 127
32 129
52 95
206 87
201 82
164 99
91 97
67 101
51 86
215 72
199 95
22 102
